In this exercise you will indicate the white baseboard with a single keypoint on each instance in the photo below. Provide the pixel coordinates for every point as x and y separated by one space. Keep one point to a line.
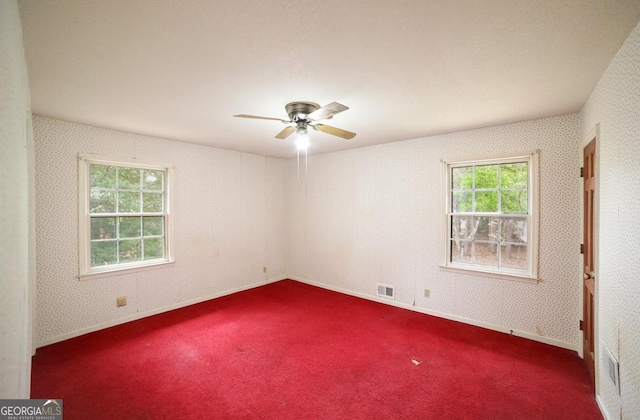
546 340
155 311
178 305
523 334
603 409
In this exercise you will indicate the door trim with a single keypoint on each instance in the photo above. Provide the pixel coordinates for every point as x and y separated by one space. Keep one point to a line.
594 133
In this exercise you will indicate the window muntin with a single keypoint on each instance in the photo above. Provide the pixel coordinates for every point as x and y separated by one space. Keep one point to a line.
124 215
491 215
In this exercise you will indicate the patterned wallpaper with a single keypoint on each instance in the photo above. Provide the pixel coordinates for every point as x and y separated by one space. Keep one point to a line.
615 104
16 212
229 224
358 217
374 214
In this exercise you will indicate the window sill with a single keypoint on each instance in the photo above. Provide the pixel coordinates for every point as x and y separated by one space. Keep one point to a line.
117 271
501 276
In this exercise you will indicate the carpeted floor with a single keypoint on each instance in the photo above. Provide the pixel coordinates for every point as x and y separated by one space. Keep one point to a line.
293 351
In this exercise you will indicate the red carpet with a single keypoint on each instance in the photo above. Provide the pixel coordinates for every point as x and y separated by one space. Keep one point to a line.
292 351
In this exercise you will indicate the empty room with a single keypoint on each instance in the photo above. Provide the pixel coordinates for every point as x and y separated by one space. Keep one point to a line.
320 209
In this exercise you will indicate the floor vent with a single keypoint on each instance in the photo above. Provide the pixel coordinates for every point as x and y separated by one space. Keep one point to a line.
387 291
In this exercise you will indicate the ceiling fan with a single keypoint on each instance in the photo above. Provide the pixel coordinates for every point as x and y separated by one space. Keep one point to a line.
307 114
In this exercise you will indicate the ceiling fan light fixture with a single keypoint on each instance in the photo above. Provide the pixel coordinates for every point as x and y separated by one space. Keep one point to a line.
302 140
302 135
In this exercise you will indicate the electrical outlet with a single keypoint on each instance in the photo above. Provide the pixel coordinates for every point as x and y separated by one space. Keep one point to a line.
121 301
427 293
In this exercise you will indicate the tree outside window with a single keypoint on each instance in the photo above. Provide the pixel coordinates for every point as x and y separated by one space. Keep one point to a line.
126 215
490 215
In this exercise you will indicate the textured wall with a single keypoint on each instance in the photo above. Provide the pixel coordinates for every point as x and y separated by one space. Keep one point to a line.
374 214
615 104
16 215
229 210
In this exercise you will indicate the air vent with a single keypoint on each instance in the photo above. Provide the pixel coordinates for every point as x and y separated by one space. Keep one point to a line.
386 291
611 367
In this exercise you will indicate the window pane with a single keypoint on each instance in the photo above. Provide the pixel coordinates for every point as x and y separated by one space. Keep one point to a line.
461 227
152 226
103 228
485 253
486 228
487 176
487 201
103 253
461 201
128 202
462 178
152 202
152 180
130 227
514 229
103 176
128 178
153 248
514 175
130 250
513 256
461 251
514 201
102 201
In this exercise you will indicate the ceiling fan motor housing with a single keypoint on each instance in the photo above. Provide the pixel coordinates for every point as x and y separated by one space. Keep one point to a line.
298 111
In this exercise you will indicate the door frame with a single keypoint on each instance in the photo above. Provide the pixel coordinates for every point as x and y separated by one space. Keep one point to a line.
594 133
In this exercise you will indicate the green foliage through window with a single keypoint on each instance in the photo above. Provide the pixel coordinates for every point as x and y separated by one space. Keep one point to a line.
126 207
488 215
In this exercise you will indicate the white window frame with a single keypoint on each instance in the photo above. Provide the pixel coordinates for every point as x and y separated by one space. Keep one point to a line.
84 217
533 215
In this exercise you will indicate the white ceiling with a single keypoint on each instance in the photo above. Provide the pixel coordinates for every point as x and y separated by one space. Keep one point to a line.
406 68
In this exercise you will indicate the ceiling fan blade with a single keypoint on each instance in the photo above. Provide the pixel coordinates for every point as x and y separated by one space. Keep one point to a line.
255 117
334 131
327 111
286 132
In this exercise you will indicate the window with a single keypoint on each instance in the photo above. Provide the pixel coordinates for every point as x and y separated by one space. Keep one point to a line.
125 220
491 215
